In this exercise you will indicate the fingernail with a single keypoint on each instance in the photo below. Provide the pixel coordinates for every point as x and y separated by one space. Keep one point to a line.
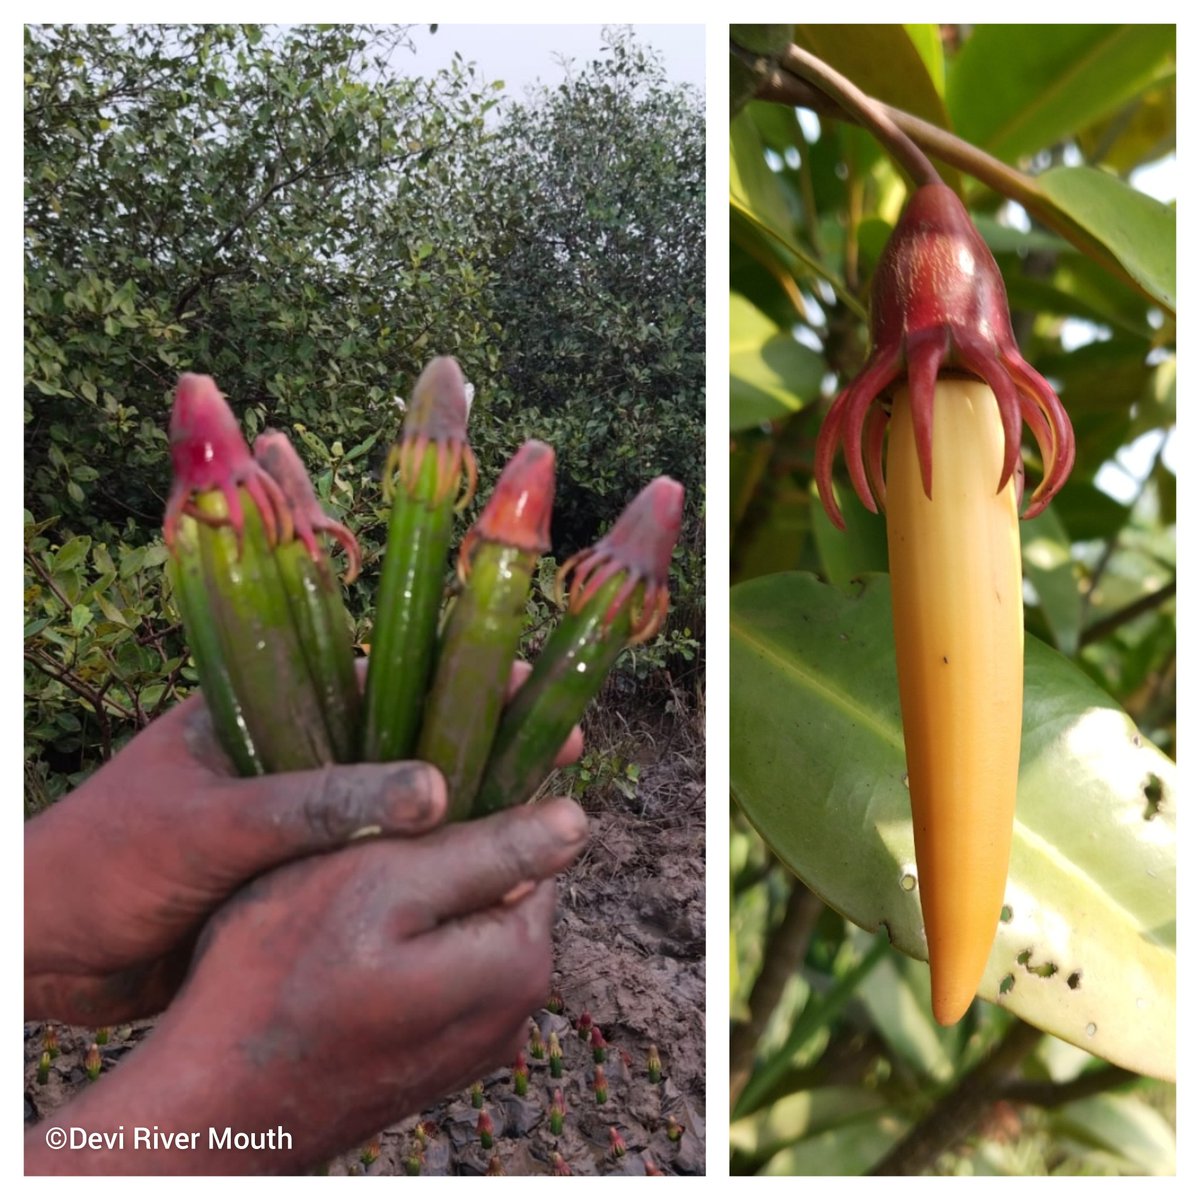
566 820
423 784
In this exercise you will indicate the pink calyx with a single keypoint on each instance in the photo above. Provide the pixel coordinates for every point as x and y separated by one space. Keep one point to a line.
640 545
277 456
208 453
518 511
437 416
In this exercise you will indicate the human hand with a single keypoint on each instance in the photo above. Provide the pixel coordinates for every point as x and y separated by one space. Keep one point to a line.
120 874
333 996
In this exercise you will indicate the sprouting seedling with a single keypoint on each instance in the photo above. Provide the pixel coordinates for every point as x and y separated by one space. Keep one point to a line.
653 1065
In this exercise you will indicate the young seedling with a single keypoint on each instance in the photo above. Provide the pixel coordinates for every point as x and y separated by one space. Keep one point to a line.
557 1112
653 1065
495 565
428 464
616 1143
93 1063
477 1094
600 1085
537 1047
599 1045
556 1057
521 1075
618 597
485 1129
43 1067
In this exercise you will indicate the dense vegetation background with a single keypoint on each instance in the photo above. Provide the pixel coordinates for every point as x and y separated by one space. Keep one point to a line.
292 213
837 1064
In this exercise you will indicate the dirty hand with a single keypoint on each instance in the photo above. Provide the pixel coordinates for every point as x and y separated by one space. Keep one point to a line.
120 874
333 996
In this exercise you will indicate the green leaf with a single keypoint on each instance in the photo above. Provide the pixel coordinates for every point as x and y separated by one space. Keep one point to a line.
81 617
1126 1126
770 373
72 553
1136 229
1014 90
817 764
927 40
883 60
1046 554
751 181
800 1115
860 547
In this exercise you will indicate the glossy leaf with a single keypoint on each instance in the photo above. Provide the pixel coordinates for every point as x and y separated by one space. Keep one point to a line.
1014 90
883 60
1046 556
1136 229
817 764
770 373
751 180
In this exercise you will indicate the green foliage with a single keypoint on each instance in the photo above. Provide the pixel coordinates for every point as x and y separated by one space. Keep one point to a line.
832 1087
287 210
594 206
1092 874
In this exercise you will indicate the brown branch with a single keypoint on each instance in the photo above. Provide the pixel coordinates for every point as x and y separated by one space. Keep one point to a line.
866 110
1144 604
959 1111
1054 1095
783 87
48 666
784 952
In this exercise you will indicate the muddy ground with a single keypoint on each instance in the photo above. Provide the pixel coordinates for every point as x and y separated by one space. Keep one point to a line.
629 951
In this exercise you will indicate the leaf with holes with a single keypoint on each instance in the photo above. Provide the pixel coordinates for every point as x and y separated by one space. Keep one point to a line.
1086 945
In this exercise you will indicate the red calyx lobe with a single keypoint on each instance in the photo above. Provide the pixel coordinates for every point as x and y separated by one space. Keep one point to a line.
938 304
518 511
274 452
208 453
640 544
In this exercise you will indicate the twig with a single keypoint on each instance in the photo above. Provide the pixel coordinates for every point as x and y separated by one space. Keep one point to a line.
1055 1095
958 1112
1144 604
784 952
783 87
869 112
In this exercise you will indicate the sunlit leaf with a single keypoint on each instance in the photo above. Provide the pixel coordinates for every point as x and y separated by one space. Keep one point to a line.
817 763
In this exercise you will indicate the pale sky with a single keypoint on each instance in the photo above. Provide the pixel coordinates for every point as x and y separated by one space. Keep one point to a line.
522 54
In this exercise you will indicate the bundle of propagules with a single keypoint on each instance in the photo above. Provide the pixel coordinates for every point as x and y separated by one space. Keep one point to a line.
263 612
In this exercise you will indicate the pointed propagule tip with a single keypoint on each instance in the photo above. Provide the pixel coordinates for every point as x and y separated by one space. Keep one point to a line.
518 511
640 545
951 997
439 405
274 452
